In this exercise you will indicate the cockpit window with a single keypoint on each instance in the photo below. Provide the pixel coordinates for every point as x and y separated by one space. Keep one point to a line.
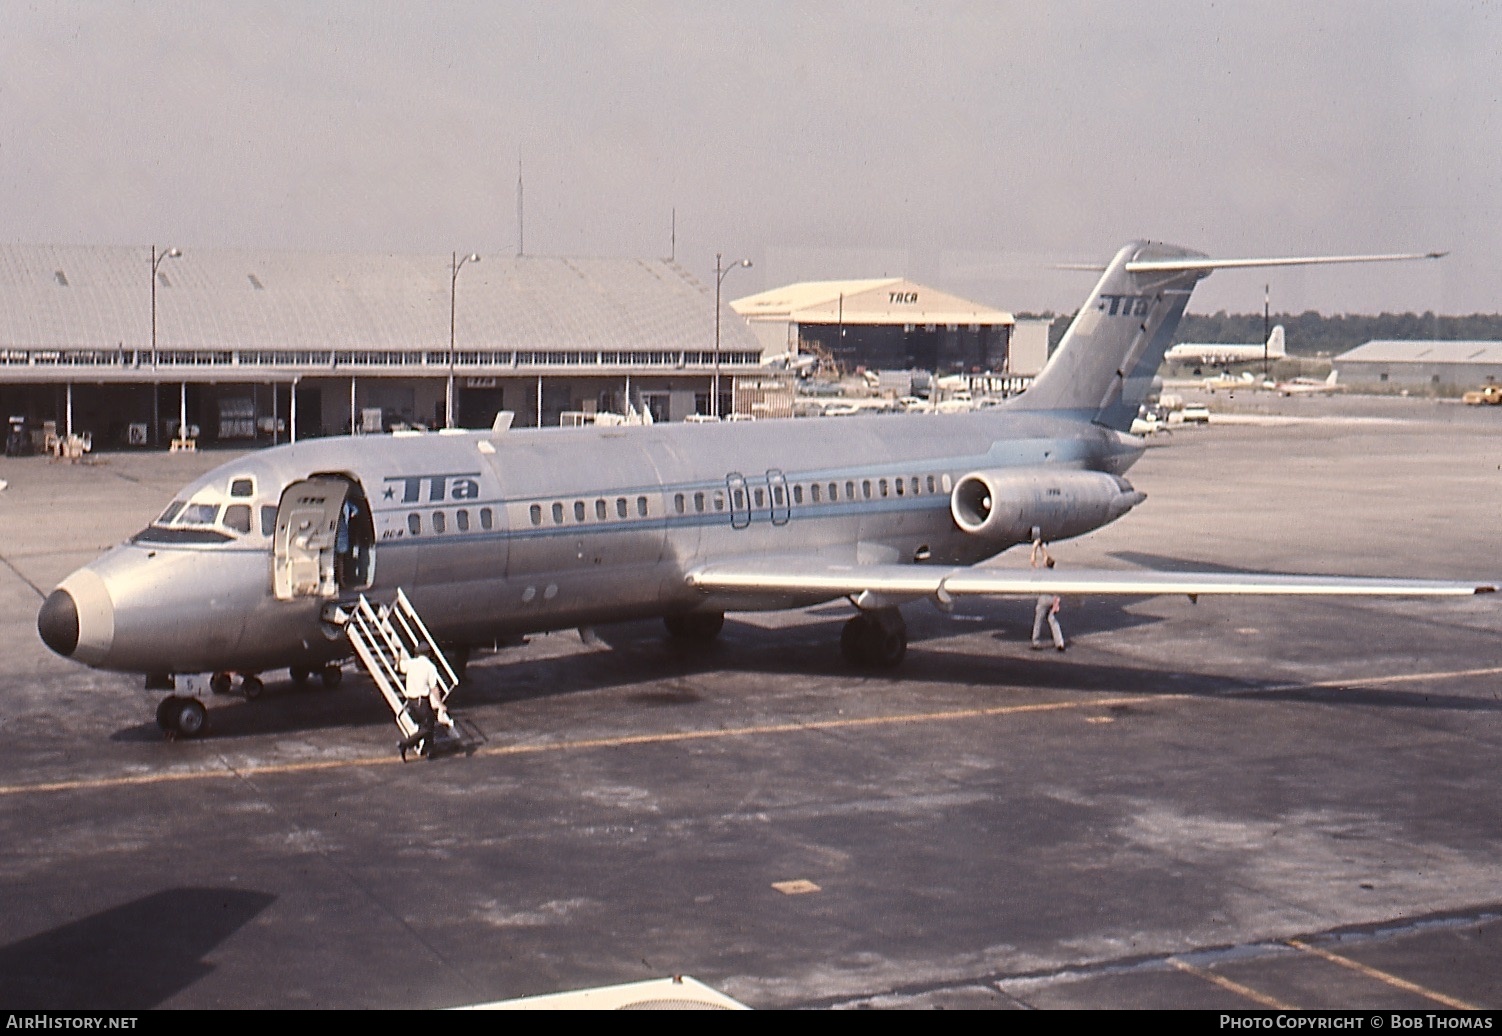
199 521
198 514
217 509
237 517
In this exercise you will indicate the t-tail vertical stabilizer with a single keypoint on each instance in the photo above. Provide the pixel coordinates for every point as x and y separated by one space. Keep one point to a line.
1103 369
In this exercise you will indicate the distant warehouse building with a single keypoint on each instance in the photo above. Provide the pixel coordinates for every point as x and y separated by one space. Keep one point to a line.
263 345
1440 368
885 324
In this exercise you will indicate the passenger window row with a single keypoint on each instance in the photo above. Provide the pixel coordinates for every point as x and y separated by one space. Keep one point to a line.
461 521
699 502
869 489
814 493
602 510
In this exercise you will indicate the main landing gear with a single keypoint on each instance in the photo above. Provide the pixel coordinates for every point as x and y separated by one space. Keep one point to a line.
875 639
329 676
695 627
250 685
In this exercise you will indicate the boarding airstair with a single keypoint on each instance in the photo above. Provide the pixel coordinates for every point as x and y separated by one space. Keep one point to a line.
383 635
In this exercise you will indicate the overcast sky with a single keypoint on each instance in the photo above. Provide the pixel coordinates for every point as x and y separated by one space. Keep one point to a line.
966 145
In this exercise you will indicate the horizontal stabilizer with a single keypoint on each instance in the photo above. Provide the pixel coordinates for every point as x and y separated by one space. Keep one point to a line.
1188 265
1104 366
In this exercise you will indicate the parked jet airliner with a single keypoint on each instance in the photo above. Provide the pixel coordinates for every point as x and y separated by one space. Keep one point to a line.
501 533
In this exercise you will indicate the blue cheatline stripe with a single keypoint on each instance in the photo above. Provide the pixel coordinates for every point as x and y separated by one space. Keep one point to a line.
721 519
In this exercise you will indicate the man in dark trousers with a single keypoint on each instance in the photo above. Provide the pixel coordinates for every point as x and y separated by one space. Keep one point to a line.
424 694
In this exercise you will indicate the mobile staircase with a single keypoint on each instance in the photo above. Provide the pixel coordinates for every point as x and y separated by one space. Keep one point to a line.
383 635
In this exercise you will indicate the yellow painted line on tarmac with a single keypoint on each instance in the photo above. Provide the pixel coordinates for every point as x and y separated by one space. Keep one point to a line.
1272 1003
172 776
843 723
947 716
950 716
1384 976
1374 681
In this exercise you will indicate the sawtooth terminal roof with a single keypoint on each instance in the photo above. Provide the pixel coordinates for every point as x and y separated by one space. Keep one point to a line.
72 296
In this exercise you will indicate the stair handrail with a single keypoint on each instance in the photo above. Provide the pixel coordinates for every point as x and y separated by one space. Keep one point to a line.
406 610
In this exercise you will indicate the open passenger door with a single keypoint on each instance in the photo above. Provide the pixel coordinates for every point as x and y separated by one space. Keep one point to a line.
324 540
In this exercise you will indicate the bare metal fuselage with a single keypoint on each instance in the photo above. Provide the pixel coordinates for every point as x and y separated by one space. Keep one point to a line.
492 536
527 531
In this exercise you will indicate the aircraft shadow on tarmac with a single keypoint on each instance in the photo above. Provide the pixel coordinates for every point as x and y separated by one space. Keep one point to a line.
128 958
1163 563
632 653
811 649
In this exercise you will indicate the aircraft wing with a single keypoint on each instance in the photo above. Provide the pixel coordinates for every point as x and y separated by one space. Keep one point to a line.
944 583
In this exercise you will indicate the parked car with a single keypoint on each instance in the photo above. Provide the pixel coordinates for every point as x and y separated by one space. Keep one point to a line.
1195 413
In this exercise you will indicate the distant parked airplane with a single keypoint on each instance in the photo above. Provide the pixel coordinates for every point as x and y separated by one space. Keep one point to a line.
1311 386
1219 353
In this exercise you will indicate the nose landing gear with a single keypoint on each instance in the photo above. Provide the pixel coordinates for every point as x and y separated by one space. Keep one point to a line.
182 717
181 714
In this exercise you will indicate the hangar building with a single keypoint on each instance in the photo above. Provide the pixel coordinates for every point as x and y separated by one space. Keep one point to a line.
251 344
884 324
1438 367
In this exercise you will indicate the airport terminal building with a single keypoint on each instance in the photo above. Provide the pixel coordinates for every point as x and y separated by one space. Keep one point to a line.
130 343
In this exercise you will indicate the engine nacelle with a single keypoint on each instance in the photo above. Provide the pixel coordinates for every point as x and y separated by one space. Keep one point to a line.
1008 505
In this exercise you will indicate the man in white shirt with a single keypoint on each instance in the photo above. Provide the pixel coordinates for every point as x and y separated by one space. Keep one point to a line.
424 694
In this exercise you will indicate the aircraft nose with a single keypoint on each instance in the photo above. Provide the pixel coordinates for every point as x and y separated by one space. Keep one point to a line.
78 618
57 622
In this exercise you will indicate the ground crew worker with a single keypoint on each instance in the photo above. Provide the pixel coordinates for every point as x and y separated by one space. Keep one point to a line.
424 694
1047 607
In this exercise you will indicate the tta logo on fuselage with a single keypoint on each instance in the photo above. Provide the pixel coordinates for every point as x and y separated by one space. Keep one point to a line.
1124 305
458 485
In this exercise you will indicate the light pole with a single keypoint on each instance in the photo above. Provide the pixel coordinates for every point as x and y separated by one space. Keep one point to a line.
458 264
1267 292
156 262
720 272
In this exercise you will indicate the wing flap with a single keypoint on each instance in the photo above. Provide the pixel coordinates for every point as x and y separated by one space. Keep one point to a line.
801 576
